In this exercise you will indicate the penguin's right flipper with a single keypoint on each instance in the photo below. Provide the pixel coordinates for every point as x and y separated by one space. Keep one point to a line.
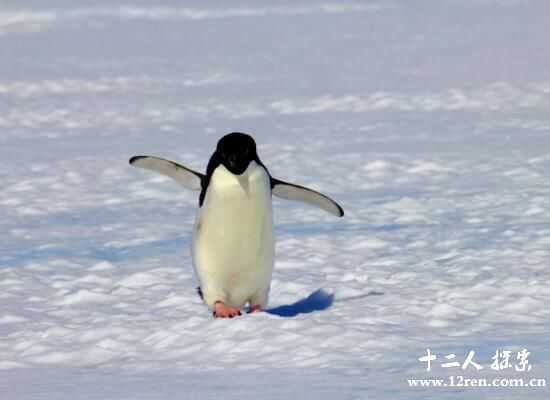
183 175
290 191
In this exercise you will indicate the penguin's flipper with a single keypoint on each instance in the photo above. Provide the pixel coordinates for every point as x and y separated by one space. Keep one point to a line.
289 191
183 175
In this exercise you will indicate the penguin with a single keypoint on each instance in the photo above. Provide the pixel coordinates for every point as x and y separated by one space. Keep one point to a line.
233 240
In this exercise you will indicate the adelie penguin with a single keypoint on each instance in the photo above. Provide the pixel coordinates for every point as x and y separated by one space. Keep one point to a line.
233 244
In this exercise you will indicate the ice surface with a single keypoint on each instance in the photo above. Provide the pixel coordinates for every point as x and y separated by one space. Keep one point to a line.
428 122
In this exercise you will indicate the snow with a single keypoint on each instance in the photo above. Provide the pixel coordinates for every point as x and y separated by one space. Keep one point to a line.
429 123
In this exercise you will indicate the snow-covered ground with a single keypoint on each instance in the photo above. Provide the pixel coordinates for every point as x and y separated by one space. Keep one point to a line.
428 121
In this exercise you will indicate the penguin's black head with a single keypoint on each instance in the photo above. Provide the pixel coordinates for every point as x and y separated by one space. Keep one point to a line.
236 150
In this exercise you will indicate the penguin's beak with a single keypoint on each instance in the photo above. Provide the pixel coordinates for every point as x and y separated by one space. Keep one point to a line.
236 166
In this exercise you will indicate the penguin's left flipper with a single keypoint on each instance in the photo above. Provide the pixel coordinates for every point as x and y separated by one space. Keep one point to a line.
181 174
290 191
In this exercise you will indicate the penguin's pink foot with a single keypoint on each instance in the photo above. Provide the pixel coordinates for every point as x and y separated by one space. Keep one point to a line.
255 308
221 310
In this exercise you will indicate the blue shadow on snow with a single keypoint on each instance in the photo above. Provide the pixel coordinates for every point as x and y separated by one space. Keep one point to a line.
317 301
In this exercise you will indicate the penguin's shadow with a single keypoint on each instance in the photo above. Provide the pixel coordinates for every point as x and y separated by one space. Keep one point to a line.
319 300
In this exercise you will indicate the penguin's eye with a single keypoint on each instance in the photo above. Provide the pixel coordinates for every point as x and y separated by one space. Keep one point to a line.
249 150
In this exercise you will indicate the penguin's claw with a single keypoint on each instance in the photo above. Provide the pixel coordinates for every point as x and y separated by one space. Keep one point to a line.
223 311
255 308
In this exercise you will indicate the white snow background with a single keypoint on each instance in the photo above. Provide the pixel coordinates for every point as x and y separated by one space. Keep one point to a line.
428 121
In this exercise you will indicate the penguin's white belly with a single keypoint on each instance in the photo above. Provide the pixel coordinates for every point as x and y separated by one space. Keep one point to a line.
233 247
